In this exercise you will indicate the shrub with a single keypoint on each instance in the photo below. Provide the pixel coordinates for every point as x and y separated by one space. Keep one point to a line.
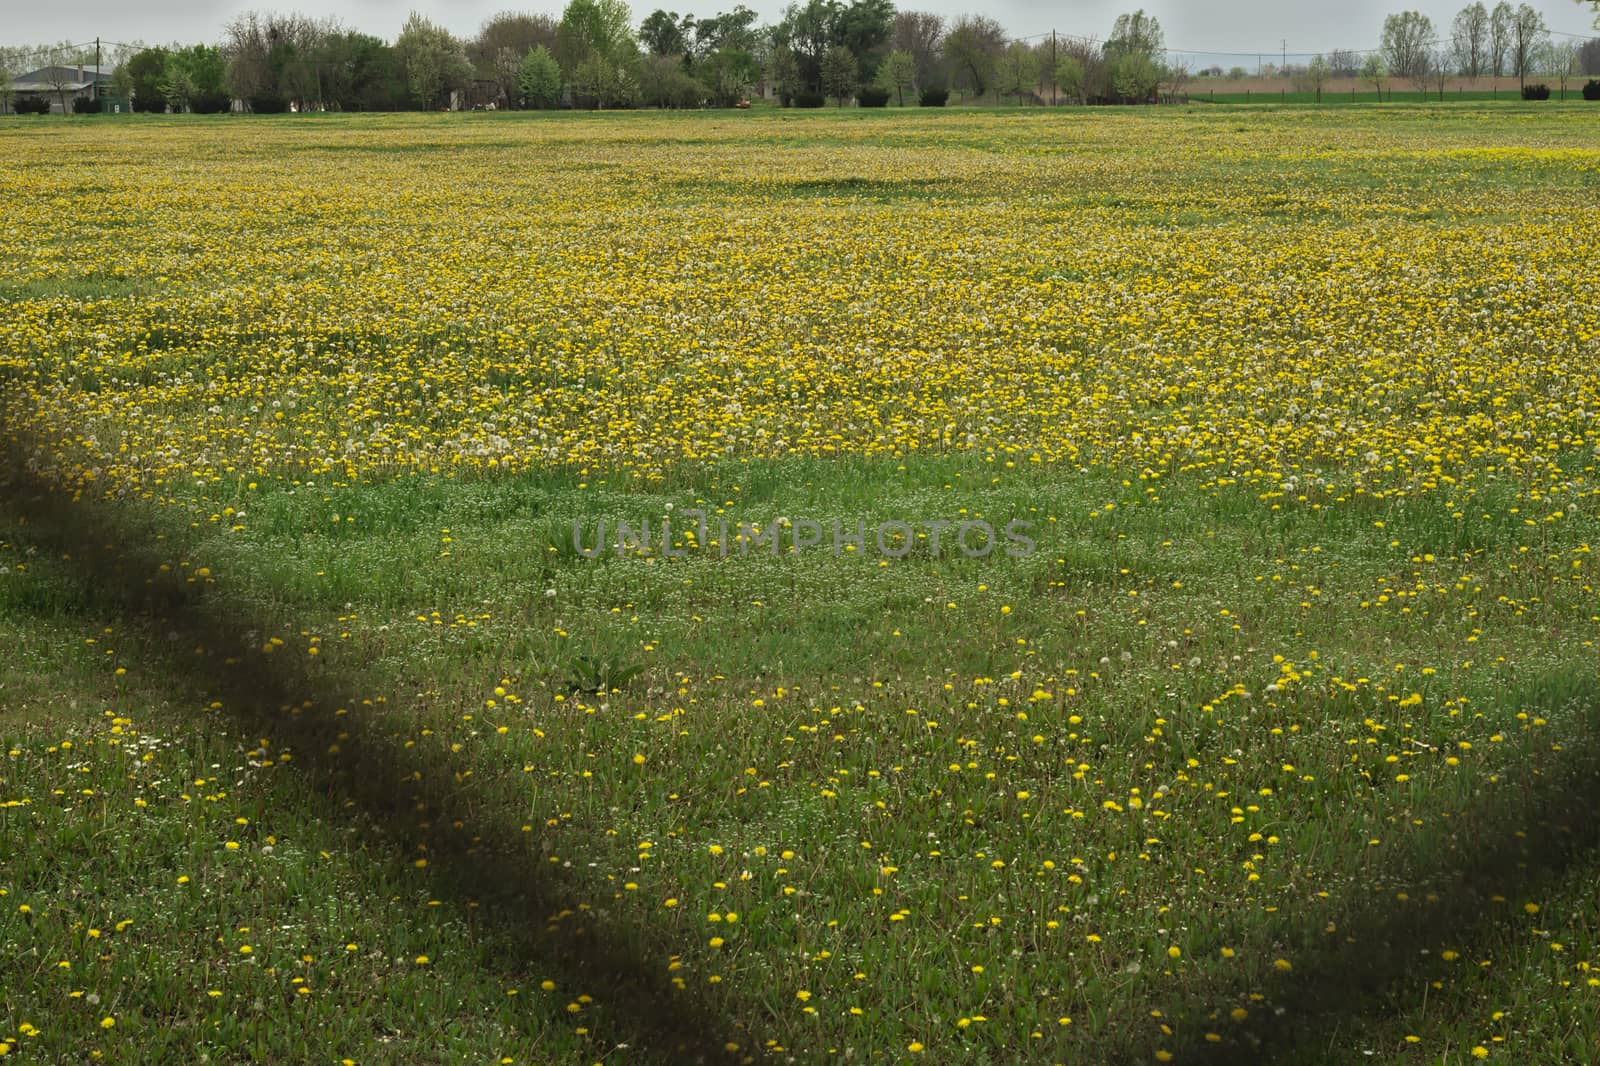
810 100
1536 92
211 103
1591 91
83 105
268 104
873 97
934 97
31 105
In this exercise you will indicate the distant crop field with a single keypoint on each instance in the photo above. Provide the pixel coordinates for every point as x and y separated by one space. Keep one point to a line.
954 586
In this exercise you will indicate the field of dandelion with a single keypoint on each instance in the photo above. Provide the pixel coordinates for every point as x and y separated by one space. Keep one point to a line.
322 741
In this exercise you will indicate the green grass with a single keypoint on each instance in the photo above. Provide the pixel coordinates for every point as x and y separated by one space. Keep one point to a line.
1112 672
1339 754
1200 93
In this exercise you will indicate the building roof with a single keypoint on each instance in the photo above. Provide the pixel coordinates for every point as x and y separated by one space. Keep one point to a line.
74 77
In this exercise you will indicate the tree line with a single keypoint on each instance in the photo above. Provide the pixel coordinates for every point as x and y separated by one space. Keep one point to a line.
594 55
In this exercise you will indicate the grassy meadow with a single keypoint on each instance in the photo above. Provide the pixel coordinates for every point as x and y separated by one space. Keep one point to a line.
323 740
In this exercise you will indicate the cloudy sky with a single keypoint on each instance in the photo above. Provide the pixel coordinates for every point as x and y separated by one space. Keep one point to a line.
1210 26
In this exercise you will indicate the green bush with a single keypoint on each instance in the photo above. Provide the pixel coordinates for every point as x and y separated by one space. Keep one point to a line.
83 105
1591 91
873 97
810 100
1536 92
268 104
31 105
934 97
211 103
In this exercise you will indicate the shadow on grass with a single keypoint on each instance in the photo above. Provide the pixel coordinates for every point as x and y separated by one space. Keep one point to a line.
126 571
1357 961
1364 959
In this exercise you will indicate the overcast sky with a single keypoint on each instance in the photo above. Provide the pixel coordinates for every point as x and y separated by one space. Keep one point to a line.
1212 26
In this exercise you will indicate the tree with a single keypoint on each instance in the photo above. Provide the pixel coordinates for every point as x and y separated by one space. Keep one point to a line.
1134 76
1562 62
595 27
840 74
729 73
1500 21
514 30
275 59
1069 77
1470 40
1174 76
1343 64
1589 57
1137 32
733 31
663 33
864 27
502 42
194 79
1317 74
897 75
177 87
1528 35
972 48
1375 73
60 78
8 90
1407 45
807 32
539 78
783 71
145 72
1440 65
360 72
664 83
1017 71
602 81
435 62
920 34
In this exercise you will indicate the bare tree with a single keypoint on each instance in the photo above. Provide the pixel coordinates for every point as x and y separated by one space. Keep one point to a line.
1528 35
503 41
1175 75
1343 63
1084 61
1317 73
1407 42
60 78
1470 40
1563 63
1500 37
1589 57
276 55
920 34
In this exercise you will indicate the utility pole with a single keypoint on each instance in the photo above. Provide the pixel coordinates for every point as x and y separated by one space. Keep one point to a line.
1285 55
100 99
1052 68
